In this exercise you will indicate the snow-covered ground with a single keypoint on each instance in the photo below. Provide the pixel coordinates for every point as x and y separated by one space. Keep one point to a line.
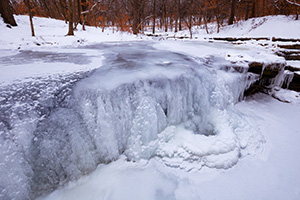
164 115
269 26
52 33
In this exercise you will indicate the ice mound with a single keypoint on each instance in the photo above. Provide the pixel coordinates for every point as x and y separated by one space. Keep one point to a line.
182 113
233 138
140 104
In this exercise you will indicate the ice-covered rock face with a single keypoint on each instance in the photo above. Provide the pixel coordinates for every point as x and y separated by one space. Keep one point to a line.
23 107
142 103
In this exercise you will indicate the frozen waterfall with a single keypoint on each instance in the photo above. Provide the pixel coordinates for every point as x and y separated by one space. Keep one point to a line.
142 103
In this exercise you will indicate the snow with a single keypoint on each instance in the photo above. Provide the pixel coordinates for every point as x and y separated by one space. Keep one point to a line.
270 174
295 64
104 115
45 63
287 96
236 54
270 26
52 33
279 26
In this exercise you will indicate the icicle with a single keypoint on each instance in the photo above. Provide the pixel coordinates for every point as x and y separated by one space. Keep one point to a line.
280 78
288 78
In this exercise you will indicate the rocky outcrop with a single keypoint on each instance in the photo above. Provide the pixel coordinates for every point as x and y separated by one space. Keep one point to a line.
235 39
269 75
274 74
291 68
289 46
289 54
295 83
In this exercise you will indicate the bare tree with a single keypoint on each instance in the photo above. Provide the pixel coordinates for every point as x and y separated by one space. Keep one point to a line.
188 18
135 15
30 17
232 12
6 13
253 9
154 16
70 9
137 7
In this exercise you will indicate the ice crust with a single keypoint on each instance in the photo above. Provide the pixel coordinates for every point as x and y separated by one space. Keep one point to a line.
139 104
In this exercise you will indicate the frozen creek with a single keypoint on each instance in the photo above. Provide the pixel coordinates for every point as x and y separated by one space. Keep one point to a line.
144 102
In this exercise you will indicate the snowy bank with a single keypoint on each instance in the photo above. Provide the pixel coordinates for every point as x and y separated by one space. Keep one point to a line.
270 26
262 27
52 33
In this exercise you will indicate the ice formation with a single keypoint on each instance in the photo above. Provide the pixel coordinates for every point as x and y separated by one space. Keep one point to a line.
142 103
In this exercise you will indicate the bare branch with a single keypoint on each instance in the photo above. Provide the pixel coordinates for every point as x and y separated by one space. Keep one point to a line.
144 21
293 3
89 10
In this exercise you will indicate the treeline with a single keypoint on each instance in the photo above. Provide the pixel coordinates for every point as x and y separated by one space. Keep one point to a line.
169 15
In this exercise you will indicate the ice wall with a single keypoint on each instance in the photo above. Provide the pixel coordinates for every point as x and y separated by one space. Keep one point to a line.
23 106
140 104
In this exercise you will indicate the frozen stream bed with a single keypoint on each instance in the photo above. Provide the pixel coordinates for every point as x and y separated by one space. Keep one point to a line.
144 120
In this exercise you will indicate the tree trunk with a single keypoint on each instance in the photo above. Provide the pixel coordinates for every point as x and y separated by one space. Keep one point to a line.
79 20
83 8
154 16
74 10
232 12
190 25
70 8
247 11
253 10
205 22
30 17
165 16
6 13
263 7
176 24
297 14
218 21
199 21
179 15
136 14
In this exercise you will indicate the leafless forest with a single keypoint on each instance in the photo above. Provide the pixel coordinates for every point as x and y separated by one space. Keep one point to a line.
167 15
